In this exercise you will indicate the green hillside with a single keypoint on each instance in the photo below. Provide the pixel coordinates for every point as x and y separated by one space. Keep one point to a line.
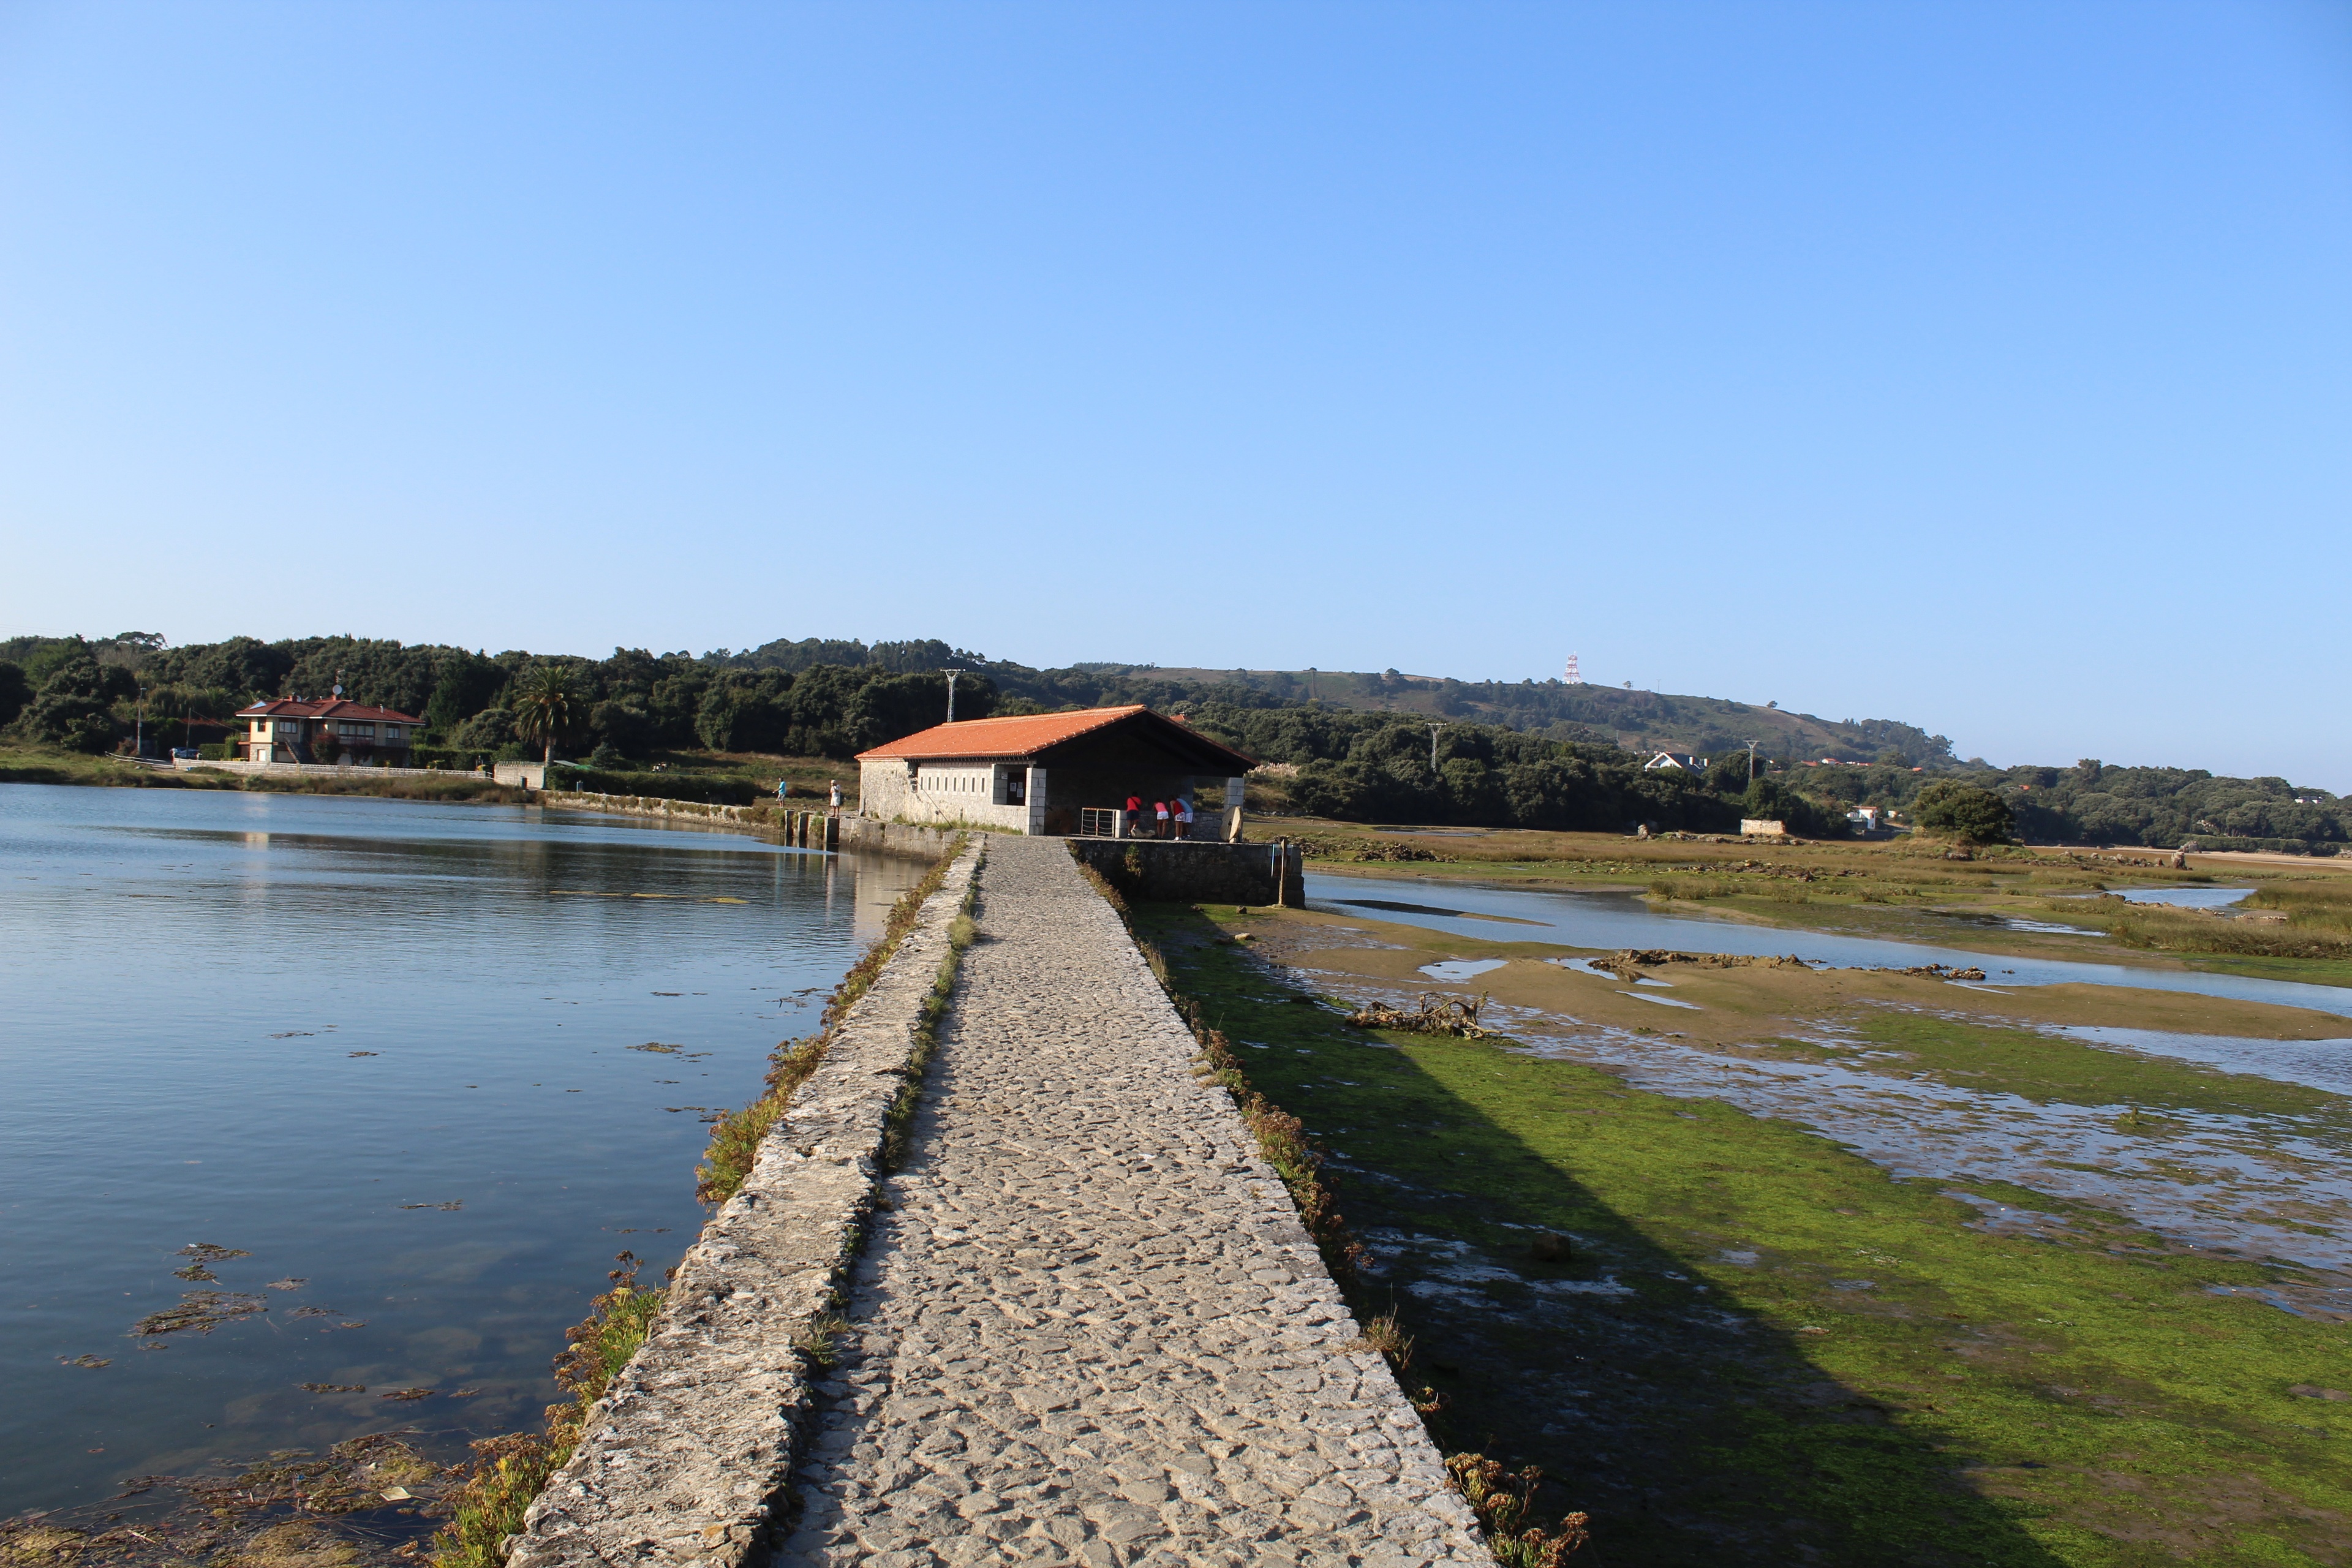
1648 721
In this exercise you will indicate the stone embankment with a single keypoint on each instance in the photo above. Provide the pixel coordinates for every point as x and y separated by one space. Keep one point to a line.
651 806
1087 1325
687 1457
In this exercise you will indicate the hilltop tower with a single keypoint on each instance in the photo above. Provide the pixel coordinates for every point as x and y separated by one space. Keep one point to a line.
1573 677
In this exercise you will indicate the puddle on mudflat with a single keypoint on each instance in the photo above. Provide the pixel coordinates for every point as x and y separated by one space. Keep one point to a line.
2325 1065
2182 898
1398 908
1663 1000
1459 969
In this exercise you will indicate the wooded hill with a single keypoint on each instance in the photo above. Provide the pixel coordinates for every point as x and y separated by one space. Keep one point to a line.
1639 721
1531 754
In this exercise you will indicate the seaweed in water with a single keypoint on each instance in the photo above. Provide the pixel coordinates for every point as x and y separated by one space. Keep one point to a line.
199 1311
200 1253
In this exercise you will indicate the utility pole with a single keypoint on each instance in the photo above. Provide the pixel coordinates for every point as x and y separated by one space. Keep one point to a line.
141 730
1751 762
1434 729
951 675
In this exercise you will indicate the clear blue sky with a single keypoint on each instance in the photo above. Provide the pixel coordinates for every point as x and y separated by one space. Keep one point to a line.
1984 365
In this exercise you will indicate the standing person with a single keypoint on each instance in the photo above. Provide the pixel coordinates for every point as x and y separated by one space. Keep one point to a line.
783 788
1159 810
1183 810
834 803
1134 814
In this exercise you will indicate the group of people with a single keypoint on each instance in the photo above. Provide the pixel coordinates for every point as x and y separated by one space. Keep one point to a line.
1173 818
784 791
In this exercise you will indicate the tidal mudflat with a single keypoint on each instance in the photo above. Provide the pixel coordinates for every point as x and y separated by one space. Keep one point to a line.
1833 1263
325 1116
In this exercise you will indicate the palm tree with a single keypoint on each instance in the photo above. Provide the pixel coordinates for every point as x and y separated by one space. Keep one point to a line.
543 704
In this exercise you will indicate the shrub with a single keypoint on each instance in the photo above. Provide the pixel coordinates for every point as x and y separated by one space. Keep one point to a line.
15 692
72 708
1970 814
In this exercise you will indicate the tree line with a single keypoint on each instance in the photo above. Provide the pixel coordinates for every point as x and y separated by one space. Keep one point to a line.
833 697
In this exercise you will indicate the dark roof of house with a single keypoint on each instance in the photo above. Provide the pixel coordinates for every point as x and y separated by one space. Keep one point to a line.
324 708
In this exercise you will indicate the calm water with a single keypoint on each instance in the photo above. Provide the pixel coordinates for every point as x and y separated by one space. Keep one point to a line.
386 1049
1622 920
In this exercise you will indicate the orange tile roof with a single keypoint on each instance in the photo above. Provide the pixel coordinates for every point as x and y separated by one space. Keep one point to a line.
1018 736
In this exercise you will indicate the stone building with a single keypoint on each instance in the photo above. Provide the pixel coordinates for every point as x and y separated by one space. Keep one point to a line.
1054 773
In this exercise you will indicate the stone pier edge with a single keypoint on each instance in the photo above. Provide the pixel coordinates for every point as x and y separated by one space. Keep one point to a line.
688 1458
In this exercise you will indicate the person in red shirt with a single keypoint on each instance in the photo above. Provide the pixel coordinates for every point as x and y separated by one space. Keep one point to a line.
1134 813
1160 809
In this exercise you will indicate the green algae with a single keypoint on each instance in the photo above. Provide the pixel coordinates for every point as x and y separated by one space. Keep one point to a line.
1762 1347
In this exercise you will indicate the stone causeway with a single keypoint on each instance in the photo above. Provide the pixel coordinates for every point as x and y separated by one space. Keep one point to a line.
1080 1322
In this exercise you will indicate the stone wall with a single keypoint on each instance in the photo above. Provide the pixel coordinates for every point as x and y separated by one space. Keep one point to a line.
908 839
654 805
1190 871
886 789
685 1460
318 769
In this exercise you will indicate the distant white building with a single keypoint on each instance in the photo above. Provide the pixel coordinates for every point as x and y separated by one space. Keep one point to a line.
1675 760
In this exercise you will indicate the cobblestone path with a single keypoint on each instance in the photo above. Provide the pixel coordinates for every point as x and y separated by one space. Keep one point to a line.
1089 1327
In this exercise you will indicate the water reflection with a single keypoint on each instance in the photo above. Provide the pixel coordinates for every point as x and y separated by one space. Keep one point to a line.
396 1055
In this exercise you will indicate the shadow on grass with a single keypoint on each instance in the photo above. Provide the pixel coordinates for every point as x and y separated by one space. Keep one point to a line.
1693 1431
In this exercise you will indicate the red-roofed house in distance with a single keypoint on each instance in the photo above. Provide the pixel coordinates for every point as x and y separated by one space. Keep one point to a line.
328 729
1055 773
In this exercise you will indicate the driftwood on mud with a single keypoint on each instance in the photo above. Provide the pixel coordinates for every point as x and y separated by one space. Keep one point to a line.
1437 1014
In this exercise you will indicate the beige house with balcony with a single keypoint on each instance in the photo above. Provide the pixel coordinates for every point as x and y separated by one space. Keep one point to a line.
291 730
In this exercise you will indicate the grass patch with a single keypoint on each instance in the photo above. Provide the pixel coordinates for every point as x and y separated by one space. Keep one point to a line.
23 762
511 1471
1761 1348
2192 930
